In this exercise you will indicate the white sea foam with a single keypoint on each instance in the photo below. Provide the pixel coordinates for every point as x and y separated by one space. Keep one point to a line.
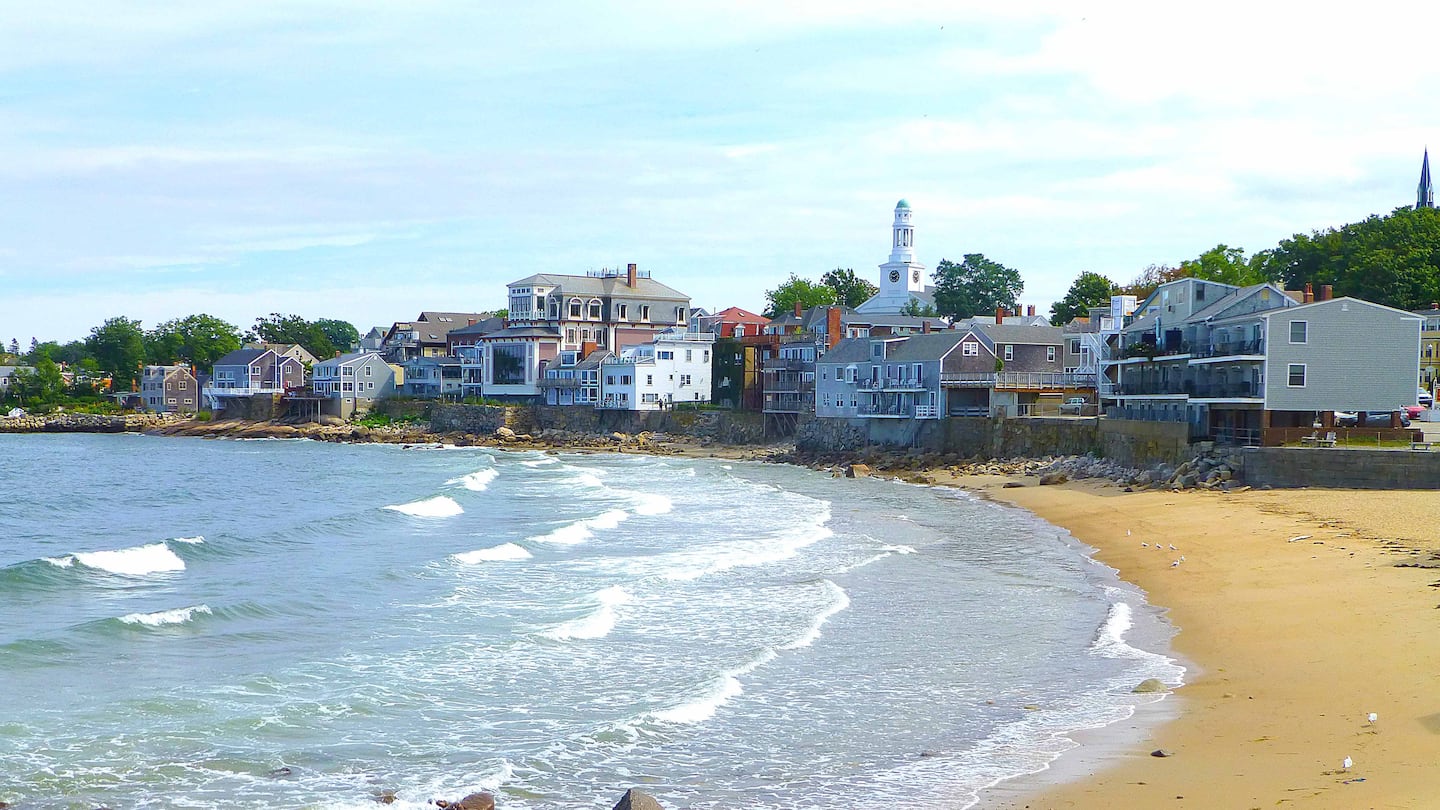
582 530
196 540
762 550
586 479
539 462
501 553
477 481
164 617
839 600
898 549
136 562
60 562
596 624
439 506
717 694
652 503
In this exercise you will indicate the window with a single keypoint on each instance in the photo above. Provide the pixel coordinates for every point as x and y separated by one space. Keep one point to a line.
609 379
665 355
622 312
825 372
649 379
689 355
1299 332
368 371
970 349
707 356
644 312
570 336
1074 347
1009 351
370 385
684 380
1050 354
574 307
625 379
594 313
1297 375
680 314
877 349
183 385
827 400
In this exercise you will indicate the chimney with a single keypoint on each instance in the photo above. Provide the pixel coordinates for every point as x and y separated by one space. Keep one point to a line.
471 321
924 327
799 309
1030 311
1327 292
832 327
630 274
588 348
999 315
1309 293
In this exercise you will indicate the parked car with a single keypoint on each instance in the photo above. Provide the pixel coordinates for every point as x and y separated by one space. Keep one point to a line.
1075 405
1414 411
1372 419
1423 397
1346 418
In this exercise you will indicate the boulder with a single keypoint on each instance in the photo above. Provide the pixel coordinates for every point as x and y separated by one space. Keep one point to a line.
1161 752
619 438
637 800
1053 478
504 434
857 471
1150 685
1011 485
475 801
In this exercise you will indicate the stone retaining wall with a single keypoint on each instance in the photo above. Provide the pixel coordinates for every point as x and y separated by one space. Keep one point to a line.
85 423
724 427
1341 468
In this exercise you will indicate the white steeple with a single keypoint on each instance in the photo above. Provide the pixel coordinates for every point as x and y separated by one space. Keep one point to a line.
901 277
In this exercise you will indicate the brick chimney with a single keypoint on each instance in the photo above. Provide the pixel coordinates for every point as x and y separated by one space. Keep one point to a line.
1030 311
832 327
799 309
924 327
471 321
999 315
1327 292
1309 293
631 276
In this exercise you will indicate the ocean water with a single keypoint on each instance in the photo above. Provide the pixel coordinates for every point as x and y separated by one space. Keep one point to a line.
190 623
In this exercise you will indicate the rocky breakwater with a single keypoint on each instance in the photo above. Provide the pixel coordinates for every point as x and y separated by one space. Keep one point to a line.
85 423
1211 470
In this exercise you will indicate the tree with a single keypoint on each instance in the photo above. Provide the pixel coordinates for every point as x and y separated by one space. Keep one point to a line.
914 308
342 334
15 346
279 328
196 339
850 290
975 285
1151 277
795 289
1226 265
1086 291
38 387
119 347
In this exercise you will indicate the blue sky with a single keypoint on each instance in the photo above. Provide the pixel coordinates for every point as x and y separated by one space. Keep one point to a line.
367 160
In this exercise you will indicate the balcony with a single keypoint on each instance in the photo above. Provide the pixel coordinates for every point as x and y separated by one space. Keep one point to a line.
557 382
1252 348
789 386
787 364
892 410
1017 380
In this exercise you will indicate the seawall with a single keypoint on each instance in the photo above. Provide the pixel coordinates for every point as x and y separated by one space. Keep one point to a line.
1341 468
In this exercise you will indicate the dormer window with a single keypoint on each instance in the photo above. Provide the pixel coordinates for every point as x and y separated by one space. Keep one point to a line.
594 313
575 307
679 314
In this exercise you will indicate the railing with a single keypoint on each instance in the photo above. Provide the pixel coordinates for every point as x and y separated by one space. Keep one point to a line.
790 386
927 412
1242 437
1044 380
1344 437
787 364
899 412
557 382
1238 347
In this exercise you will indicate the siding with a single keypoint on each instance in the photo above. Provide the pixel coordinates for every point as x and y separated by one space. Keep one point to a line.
1358 356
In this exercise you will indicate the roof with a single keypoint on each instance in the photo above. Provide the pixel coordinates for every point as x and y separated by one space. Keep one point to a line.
1234 296
450 320
1346 298
738 315
849 350
242 357
903 203
926 347
485 327
347 359
523 332
1044 335
608 286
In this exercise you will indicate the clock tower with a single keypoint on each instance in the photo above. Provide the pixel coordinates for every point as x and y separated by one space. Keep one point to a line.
901 277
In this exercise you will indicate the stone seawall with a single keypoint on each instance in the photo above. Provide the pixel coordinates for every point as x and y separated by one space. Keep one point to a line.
1341 468
1133 443
722 427
481 420
86 423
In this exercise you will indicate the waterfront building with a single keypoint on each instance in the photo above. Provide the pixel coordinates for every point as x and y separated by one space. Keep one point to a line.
426 336
169 389
250 372
672 369
352 382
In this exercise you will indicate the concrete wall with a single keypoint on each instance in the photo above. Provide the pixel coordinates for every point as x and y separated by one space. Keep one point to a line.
1133 443
1288 467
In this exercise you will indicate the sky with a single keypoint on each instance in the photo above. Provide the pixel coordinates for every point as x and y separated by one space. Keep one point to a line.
366 160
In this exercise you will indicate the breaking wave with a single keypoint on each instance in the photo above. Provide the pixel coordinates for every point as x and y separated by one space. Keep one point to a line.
501 553
440 506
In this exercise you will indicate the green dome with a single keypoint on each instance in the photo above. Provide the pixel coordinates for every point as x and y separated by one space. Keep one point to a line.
902 204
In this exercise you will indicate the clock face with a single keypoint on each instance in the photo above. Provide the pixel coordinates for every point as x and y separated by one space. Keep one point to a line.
894 276
915 275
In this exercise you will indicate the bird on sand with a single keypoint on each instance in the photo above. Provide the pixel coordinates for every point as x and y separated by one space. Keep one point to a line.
1175 564
1372 717
1172 547
1298 538
1346 764
1127 532
1144 545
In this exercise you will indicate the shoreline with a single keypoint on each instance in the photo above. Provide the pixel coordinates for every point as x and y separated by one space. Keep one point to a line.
1295 614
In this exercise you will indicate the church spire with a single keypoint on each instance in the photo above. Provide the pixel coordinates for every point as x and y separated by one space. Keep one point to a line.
1425 197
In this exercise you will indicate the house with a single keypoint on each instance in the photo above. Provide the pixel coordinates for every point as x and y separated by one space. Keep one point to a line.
169 389
574 379
673 368
1429 347
248 372
426 336
470 334
351 382
293 350
1256 359
373 340
732 322
551 313
432 378
6 372
979 371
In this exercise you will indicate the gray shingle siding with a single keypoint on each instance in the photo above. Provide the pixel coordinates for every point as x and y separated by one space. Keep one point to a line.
1357 356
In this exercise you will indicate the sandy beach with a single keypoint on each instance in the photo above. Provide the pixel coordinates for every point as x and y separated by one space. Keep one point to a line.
1297 621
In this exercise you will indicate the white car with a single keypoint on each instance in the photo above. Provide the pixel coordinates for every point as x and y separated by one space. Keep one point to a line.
1423 397
1075 405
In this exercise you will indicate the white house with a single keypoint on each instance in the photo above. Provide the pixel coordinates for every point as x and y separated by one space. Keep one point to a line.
673 368
352 381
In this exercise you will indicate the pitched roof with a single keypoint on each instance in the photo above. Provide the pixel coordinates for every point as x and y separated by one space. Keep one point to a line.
1044 335
347 359
242 357
918 348
523 332
606 286
849 350
484 327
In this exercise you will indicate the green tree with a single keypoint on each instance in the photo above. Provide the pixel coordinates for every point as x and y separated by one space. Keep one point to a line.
342 334
119 347
914 308
15 346
1226 265
809 294
195 339
278 328
1151 277
1086 291
850 290
38 387
975 285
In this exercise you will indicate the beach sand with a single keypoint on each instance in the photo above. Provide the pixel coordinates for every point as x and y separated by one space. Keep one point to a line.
1291 644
